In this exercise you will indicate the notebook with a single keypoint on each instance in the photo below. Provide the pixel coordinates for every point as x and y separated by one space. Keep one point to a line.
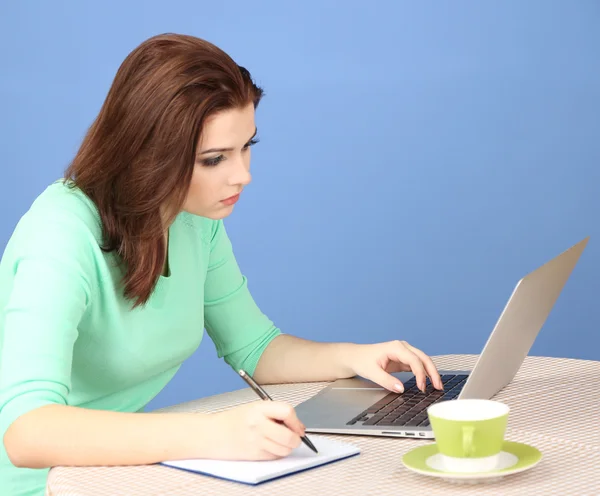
256 472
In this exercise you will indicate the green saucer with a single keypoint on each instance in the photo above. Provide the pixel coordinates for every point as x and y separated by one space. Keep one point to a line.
514 458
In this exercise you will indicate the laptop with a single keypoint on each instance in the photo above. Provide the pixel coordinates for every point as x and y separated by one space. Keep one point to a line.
360 407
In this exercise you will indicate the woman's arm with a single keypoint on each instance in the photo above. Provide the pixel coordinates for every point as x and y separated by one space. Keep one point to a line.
292 359
65 435
247 339
234 322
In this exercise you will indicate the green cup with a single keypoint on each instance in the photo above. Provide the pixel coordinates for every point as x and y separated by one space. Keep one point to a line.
469 433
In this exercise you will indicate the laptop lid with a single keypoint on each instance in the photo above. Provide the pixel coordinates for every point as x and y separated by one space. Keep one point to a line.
519 324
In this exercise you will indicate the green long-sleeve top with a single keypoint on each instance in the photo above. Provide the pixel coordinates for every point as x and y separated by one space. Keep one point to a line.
68 336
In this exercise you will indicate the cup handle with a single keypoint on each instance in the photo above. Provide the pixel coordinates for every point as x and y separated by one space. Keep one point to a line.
467 440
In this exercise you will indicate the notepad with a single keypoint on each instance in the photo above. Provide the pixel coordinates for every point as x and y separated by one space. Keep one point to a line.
256 472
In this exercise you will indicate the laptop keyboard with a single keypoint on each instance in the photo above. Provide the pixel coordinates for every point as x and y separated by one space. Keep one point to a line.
410 408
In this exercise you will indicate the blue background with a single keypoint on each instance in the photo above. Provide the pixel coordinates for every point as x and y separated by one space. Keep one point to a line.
416 158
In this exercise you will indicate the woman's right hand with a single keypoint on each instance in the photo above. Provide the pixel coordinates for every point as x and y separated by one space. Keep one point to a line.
261 430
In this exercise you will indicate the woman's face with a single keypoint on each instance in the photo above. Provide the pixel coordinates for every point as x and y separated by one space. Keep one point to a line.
222 167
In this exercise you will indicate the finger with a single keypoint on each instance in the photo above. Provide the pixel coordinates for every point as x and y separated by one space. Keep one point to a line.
275 449
266 455
386 380
281 434
394 366
278 410
404 354
430 367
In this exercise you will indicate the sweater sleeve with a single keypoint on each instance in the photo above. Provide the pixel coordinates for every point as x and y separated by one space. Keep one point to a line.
240 331
38 325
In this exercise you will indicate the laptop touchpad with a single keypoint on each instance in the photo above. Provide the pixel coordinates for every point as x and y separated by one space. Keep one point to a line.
336 406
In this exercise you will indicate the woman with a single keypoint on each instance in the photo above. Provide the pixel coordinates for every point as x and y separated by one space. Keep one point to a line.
109 279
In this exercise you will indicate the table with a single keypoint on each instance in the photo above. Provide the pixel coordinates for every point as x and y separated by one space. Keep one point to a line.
554 405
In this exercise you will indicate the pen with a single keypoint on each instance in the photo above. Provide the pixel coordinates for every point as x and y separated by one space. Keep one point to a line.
262 394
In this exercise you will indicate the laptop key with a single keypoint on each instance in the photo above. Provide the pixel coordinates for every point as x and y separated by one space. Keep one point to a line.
410 414
359 417
404 420
381 403
397 421
374 419
385 422
421 417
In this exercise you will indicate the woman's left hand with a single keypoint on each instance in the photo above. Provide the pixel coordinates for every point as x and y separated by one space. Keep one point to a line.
376 361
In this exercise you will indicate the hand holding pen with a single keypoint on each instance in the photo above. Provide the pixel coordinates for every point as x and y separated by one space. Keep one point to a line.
262 394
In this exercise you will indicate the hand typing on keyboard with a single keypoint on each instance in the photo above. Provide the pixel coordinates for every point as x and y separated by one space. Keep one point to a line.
376 361
410 409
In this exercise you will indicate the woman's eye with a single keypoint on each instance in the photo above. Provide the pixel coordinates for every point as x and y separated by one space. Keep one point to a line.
211 162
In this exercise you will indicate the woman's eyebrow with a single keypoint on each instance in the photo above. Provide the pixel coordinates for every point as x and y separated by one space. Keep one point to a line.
213 150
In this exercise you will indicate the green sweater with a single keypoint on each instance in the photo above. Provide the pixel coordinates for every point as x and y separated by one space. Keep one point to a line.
68 336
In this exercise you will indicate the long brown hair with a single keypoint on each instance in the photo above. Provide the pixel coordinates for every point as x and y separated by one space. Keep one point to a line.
138 156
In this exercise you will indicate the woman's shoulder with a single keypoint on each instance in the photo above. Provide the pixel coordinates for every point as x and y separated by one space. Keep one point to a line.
61 228
64 201
60 213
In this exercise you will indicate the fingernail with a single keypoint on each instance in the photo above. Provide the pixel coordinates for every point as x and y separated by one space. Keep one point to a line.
399 387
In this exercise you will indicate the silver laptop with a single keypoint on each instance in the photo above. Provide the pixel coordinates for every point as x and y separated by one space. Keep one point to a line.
360 407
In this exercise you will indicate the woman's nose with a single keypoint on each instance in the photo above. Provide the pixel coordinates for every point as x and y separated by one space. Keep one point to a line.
241 174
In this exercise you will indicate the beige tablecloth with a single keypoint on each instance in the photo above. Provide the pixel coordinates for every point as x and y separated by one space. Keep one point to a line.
554 406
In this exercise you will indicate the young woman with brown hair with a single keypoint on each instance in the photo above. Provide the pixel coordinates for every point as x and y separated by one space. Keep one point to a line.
113 273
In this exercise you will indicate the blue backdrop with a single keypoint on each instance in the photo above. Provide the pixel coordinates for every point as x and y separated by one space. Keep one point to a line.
416 158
